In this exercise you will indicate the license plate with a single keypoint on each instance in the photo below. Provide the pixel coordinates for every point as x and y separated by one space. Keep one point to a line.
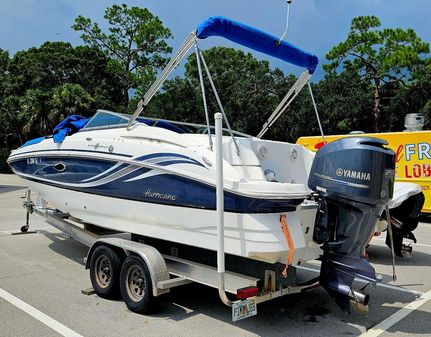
244 309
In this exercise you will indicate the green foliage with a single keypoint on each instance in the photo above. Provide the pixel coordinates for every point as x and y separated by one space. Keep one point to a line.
69 98
343 100
381 56
34 111
415 97
56 63
43 85
7 126
135 44
248 89
8 123
4 72
419 94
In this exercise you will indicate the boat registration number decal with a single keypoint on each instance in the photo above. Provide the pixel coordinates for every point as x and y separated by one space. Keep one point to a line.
243 309
34 160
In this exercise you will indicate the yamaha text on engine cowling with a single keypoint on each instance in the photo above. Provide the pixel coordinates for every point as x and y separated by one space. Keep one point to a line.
354 178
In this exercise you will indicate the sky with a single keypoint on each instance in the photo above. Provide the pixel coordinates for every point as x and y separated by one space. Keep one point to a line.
315 25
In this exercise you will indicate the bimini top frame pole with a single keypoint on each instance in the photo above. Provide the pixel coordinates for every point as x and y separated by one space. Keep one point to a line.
285 102
192 38
218 100
204 99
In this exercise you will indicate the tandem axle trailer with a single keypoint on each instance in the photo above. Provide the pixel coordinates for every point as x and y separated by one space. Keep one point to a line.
141 269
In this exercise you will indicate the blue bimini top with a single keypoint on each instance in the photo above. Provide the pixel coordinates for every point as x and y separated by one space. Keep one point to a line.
257 40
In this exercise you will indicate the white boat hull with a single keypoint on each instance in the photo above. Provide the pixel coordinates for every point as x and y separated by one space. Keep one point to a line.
255 236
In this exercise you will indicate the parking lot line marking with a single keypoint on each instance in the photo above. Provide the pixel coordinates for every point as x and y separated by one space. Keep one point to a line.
384 325
383 285
40 316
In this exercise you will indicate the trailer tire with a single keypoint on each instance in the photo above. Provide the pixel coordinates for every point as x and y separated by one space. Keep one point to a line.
136 285
105 267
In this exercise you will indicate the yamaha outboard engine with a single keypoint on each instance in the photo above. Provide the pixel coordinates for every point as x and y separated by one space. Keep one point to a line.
354 178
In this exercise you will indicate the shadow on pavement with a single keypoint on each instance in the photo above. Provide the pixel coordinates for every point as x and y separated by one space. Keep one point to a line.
69 248
7 189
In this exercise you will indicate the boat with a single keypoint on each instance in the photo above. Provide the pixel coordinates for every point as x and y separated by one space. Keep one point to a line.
156 182
157 178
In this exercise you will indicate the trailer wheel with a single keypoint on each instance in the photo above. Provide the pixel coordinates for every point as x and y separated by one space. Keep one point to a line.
135 285
105 267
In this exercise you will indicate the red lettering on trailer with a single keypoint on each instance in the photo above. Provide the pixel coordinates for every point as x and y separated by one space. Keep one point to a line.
399 153
406 172
417 171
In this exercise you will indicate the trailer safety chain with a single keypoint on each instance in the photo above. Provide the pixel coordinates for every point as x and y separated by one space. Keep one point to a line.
288 237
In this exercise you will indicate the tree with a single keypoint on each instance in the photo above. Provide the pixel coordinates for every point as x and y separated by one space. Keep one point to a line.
70 99
57 63
135 43
342 100
34 112
382 56
249 90
4 84
415 97
55 80
6 126
4 72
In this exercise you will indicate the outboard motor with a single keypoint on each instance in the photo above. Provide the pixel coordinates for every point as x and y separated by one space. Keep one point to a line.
354 178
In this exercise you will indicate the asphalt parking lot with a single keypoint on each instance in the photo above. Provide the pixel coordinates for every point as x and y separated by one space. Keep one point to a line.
42 275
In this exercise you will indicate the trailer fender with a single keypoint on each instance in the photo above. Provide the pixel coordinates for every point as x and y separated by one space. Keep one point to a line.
150 255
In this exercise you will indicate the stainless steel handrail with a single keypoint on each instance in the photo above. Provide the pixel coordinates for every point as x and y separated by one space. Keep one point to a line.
220 208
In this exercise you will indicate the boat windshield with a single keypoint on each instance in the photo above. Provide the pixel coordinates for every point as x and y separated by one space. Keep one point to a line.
105 119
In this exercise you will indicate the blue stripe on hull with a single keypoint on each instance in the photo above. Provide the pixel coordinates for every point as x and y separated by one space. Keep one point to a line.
183 158
107 178
233 203
76 169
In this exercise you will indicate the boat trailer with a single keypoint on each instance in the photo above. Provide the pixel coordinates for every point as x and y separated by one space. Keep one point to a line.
167 271
144 272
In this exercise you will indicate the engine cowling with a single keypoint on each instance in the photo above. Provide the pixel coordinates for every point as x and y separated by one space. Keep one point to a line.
354 178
